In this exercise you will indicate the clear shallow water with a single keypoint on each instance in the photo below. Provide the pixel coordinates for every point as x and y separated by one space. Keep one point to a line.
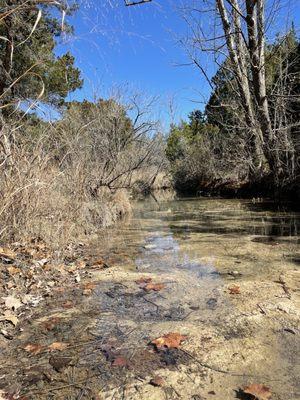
186 230
199 248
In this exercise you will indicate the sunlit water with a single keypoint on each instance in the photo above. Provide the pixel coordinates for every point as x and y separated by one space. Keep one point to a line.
182 232
198 248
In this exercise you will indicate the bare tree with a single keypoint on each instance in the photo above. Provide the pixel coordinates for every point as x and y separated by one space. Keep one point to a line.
238 35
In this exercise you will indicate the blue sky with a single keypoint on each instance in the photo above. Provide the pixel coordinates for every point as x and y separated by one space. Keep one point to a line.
136 48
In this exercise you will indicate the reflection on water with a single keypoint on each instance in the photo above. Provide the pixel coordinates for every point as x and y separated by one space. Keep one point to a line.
227 216
199 248
203 233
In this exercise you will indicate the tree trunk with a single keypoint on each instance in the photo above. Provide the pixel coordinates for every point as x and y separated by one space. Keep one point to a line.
256 48
237 53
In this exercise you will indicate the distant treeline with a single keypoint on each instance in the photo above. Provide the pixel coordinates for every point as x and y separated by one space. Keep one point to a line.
216 151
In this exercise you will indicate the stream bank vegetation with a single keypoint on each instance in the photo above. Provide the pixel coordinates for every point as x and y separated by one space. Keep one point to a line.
247 138
74 175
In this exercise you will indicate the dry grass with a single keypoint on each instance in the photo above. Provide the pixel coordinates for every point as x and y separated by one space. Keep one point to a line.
39 201
64 181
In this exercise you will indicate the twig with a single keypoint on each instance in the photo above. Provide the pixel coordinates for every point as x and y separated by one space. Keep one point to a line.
151 302
202 364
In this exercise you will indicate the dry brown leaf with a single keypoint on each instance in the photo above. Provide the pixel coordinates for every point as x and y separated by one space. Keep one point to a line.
51 323
12 302
234 290
99 264
72 269
68 304
59 363
33 348
143 281
13 270
7 253
156 287
258 391
9 317
120 362
157 381
81 264
170 340
89 286
60 346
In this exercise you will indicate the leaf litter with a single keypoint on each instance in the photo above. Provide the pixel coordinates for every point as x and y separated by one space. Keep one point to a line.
171 340
45 283
258 391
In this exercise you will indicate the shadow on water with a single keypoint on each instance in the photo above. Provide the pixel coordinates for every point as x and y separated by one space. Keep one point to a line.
224 217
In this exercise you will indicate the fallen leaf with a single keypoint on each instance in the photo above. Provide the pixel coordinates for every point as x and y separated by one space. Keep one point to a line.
99 264
13 270
10 285
58 363
12 302
7 336
89 286
31 300
258 391
33 348
72 269
169 340
150 246
7 253
120 362
9 317
81 264
87 292
156 287
42 262
60 346
234 290
2 395
157 381
143 281
51 323
68 304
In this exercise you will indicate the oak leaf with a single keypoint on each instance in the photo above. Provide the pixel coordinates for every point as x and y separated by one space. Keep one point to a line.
156 287
143 281
89 286
234 290
12 302
157 381
33 348
59 363
68 304
51 323
81 264
58 346
7 253
120 362
13 270
258 391
9 317
170 340
99 264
